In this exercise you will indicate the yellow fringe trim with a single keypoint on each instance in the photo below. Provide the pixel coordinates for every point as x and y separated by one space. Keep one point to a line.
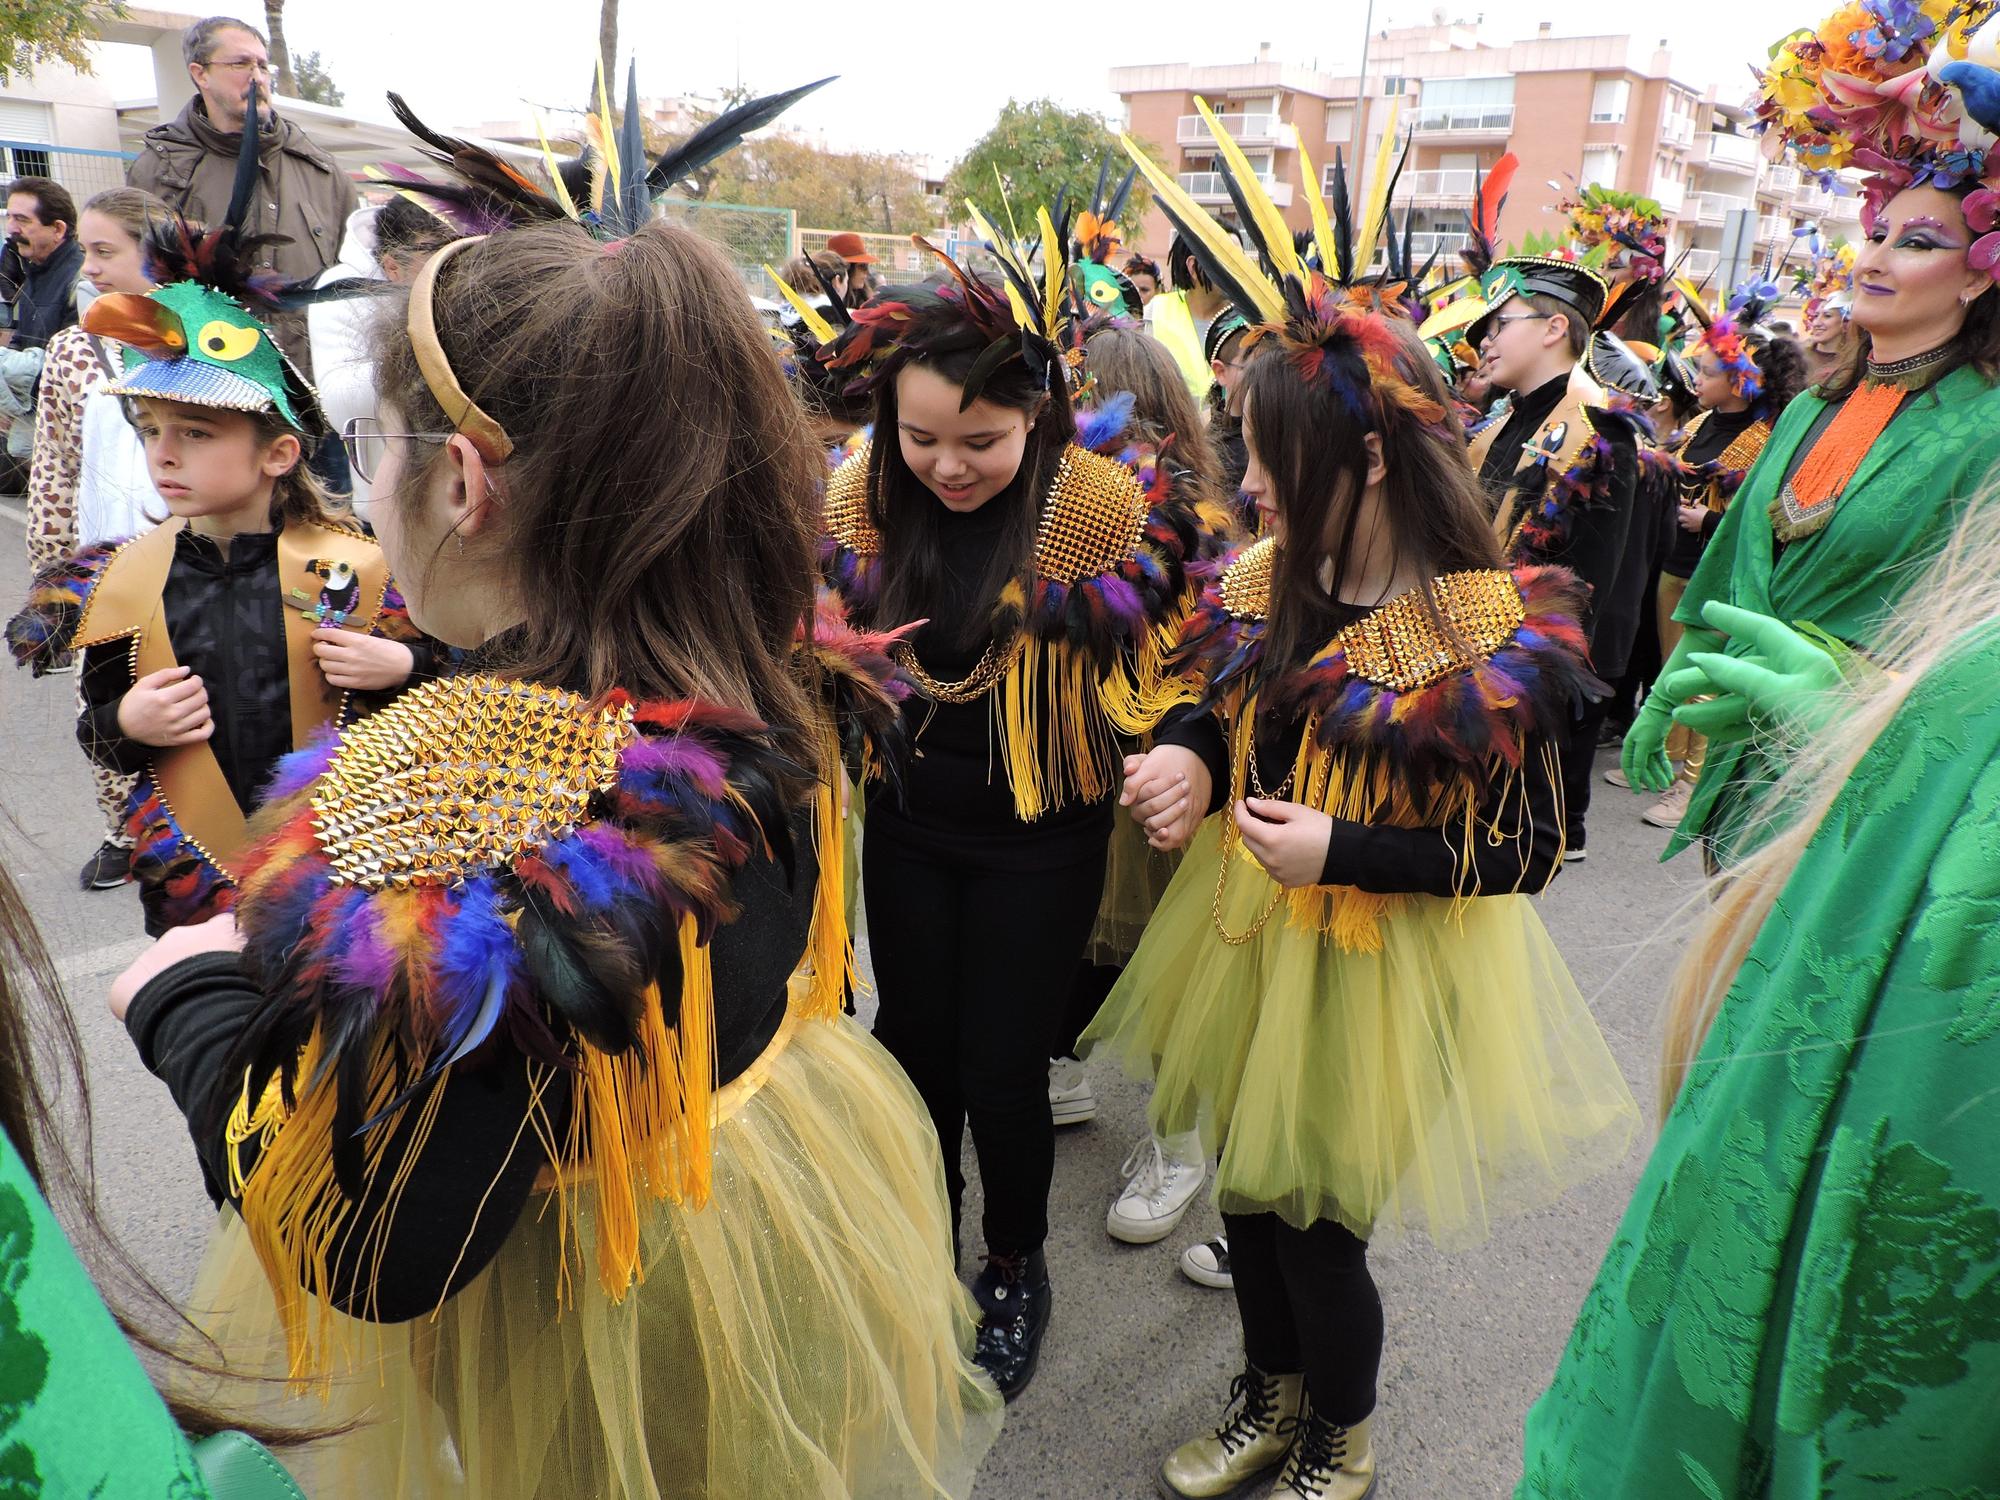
643 1119
829 945
1058 719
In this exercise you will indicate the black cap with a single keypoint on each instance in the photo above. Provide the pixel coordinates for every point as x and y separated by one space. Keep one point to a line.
1576 286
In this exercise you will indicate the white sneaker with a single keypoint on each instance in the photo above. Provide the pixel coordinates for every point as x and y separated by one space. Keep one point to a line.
1161 1179
1616 777
1208 1263
1071 1100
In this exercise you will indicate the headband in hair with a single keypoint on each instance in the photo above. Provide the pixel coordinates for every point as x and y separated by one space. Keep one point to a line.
488 437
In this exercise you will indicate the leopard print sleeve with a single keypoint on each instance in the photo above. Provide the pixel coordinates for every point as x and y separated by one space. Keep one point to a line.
69 373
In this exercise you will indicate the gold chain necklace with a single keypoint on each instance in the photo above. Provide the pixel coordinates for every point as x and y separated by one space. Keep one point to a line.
1231 836
998 658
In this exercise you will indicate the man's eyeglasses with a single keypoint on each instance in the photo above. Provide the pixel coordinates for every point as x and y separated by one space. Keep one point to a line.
242 65
367 444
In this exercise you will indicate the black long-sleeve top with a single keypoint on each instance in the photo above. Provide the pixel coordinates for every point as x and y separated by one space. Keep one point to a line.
956 800
1518 830
1708 444
225 616
468 1187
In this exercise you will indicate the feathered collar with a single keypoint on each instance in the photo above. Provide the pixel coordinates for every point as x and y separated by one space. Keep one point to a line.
1392 683
1111 550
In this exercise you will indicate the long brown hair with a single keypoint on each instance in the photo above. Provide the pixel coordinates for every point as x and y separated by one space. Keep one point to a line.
907 514
1310 442
1129 359
660 506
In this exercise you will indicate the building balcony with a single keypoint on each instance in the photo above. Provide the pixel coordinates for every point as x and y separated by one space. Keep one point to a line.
1245 130
1700 263
1671 196
1773 229
1443 186
1841 211
1730 153
1714 208
1443 245
1780 182
1208 187
1467 124
1811 199
1678 131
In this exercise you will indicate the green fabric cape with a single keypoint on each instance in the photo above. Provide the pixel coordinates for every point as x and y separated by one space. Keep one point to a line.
1803 1298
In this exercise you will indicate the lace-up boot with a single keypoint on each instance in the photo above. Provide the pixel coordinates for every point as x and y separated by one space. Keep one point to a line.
1327 1462
1255 1432
1014 1298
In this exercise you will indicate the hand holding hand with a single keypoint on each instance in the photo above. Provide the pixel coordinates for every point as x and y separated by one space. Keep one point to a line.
1167 789
1692 517
166 708
1288 839
362 663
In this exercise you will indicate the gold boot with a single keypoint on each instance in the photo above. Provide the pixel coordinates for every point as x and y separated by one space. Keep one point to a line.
1249 1444
1327 1462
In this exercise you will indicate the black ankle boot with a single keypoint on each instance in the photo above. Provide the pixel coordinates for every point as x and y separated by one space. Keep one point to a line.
1013 1293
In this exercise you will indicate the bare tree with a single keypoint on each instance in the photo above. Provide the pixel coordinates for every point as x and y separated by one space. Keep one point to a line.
607 52
281 55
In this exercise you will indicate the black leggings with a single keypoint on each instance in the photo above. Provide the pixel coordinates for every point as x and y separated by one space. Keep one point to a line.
974 966
1308 1304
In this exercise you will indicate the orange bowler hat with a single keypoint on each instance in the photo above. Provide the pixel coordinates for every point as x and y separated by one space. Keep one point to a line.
849 248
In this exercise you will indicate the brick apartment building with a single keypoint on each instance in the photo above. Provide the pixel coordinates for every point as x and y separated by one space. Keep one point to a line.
1594 109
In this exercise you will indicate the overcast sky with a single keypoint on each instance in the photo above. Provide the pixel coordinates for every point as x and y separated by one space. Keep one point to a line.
924 78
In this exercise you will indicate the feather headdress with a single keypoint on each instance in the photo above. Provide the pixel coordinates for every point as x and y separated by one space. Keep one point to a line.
196 338
605 189
1334 322
1029 316
1735 338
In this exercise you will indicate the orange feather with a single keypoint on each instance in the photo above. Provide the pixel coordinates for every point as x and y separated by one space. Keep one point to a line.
138 321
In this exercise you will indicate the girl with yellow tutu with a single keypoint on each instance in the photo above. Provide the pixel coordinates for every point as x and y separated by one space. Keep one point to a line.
1346 987
554 1169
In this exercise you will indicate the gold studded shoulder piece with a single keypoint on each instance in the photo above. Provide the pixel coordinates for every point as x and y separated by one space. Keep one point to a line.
463 776
847 505
1246 583
1093 518
1400 646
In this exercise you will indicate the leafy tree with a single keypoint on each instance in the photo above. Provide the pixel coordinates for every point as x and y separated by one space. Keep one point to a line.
313 82
42 31
1037 150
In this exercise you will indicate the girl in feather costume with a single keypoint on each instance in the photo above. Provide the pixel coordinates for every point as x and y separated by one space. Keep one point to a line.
1346 988
553 1165
1047 580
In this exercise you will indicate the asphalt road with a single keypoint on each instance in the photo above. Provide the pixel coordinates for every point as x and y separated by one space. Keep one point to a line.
1138 1358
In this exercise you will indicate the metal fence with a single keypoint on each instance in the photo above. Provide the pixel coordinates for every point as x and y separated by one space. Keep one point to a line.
748 236
83 172
896 259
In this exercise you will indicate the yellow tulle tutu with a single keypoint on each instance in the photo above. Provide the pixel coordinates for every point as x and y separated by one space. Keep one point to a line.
1449 1079
804 1335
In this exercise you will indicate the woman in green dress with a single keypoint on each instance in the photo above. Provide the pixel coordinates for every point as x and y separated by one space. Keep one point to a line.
1865 476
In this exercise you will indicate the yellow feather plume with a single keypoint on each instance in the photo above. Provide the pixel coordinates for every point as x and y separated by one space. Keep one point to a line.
1271 225
555 177
607 144
1055 270
808 314
1378 195
1270 305
1316 201
1003 249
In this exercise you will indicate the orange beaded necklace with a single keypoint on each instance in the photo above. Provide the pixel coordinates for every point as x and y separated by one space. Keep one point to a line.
1805 503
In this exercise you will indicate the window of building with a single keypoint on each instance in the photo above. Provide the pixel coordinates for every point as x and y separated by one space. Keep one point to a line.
24 121
1395 84
1467 104
1600 164
1609 100
1340 126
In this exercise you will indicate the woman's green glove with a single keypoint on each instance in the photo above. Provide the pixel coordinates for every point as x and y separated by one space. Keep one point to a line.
1644 757
1784 681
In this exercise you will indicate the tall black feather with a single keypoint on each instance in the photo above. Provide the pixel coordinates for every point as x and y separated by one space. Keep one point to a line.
722 134
1341 212
248 170
1116 206
1219 276
635 194
837 311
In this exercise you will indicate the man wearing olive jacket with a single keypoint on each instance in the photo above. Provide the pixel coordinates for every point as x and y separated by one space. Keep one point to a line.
190 162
